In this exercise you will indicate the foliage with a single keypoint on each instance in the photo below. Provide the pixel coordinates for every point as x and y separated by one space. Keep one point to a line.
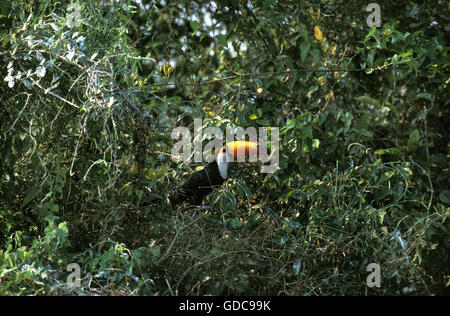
85 168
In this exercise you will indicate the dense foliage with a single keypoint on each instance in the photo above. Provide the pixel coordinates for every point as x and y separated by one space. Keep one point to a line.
86 114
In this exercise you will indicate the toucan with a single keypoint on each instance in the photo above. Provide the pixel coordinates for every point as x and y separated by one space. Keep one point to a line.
201 183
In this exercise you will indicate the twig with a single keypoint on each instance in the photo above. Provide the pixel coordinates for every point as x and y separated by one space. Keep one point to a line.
170 289
57 96
18 116
166 254
214 258
257 74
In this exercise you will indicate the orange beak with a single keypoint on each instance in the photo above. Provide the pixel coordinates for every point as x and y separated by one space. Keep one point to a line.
242 148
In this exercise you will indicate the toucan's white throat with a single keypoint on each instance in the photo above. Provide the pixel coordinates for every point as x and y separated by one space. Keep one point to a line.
222 164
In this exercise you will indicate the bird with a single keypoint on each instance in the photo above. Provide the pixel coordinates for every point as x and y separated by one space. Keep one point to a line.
200 183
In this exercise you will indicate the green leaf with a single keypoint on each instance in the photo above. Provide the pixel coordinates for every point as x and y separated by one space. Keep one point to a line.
5 41
367 100
445 197
426 96
370 58
392 151
315 53
407 53
304 49
368 36
195 26
30 194
414 139
364 132
263 122
235 223
315 143
347 118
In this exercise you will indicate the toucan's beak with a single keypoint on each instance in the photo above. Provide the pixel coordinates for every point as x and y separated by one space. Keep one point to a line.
242 148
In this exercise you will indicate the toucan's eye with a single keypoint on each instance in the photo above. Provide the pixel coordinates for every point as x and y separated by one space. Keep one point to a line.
224 150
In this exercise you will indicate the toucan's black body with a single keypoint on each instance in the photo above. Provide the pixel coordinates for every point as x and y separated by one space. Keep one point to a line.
198 185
